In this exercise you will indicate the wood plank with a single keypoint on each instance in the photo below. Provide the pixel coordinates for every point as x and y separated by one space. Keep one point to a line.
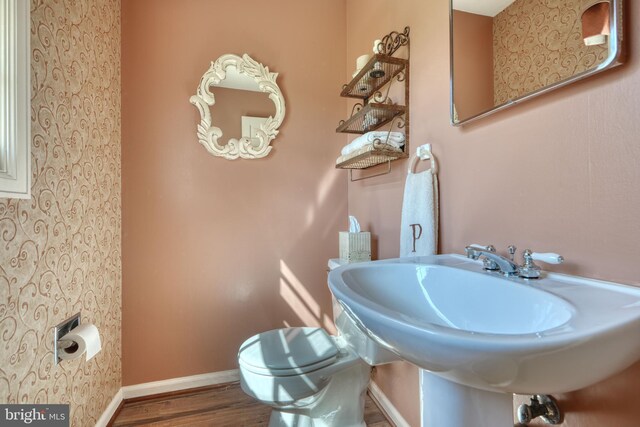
373 415
220 405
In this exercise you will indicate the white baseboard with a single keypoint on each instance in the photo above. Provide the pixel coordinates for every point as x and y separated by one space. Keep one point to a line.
183 383
111 410
387 406
213 378
166 386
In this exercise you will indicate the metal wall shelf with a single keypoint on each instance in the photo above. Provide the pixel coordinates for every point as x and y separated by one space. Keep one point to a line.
372 158
370 117
380 71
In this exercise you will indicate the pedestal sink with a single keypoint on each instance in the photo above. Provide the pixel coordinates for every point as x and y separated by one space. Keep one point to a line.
480 337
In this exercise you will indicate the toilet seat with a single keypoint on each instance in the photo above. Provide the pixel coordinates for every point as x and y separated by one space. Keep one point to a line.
289 351
308 377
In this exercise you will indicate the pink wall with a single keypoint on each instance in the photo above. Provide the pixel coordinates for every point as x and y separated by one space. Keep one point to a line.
473 59
207 240
216 250
558 173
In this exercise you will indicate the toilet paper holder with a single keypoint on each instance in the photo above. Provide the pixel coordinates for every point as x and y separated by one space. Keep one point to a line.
60 331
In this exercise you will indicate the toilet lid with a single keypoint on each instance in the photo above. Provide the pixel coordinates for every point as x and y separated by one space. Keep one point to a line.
288 351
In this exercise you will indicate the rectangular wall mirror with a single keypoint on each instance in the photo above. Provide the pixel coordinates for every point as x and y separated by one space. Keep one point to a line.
504 52
15 99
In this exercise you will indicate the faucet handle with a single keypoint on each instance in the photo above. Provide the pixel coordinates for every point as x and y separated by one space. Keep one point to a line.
548 257
489 248
473 249
530 270
488 263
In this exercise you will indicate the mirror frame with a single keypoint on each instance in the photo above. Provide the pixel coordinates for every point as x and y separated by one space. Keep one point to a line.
614 59
208 134
15 100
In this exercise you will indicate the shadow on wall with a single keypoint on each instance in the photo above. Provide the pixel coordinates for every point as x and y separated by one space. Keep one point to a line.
302 303
311 305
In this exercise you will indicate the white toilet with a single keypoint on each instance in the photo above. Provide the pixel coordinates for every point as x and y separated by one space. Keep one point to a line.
311 379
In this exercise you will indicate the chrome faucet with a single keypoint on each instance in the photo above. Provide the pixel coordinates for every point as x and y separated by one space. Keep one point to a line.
497 262
494 262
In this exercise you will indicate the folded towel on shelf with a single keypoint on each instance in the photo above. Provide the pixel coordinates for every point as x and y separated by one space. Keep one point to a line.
395 140
366 148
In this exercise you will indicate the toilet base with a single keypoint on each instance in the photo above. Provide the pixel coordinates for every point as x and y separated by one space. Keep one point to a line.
340 404
288 419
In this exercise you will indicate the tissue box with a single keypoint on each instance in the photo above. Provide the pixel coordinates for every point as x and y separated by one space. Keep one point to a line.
355 247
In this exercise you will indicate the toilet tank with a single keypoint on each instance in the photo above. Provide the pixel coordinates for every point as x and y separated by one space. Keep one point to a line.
367 349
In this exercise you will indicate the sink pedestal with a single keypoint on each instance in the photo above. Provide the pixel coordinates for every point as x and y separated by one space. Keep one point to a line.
447 404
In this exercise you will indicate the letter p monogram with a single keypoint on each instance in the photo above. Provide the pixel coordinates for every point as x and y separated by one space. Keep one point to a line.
415 238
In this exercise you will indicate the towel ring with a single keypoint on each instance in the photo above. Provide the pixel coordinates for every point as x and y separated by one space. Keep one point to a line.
423 153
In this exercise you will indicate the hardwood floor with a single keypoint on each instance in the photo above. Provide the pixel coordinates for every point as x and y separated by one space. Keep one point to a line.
221 405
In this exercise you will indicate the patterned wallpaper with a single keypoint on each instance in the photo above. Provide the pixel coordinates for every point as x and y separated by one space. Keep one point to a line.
60 251
530 50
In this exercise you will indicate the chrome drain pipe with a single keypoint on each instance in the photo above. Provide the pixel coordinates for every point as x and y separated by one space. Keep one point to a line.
543 406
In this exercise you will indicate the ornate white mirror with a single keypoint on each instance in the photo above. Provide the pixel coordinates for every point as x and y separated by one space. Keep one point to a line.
15 101
231 80
505 51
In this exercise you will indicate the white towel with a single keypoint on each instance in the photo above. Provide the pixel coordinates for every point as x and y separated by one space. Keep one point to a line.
396 140
419 225
367 148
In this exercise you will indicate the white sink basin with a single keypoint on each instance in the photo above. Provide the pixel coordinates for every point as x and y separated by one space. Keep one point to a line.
478 329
